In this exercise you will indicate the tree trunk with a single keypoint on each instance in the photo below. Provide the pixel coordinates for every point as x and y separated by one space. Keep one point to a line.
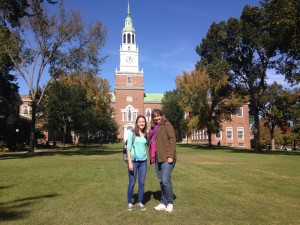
76 140
32 127
256 130
272 138
209 139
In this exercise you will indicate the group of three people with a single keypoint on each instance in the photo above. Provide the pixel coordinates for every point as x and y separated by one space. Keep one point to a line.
162 153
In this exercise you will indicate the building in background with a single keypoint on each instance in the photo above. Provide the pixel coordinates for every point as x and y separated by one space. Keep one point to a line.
130 100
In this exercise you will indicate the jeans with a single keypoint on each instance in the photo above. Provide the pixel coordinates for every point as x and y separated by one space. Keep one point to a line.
164 173
140 169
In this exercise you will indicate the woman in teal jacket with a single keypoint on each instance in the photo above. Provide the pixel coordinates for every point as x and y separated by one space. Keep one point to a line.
137 160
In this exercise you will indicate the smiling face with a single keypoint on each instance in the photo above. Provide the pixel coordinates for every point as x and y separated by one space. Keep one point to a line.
141 123
157 118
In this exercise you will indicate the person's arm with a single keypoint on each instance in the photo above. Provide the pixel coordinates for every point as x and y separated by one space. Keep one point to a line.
129 148
130 165
172 142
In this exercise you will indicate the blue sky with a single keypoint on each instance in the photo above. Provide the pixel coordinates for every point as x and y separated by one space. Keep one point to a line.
167 33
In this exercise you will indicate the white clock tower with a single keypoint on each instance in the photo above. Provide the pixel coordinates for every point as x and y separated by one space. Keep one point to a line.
129 81
129 52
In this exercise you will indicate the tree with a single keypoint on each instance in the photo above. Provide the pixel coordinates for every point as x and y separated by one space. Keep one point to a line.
207 100
12 11
61 43
99 97
7 80
294 111
66 108
95 115
172 110
248 50
283 22
276 112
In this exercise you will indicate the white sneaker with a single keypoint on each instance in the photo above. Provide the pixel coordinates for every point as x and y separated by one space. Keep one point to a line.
130 206
141 206
169 207
160 207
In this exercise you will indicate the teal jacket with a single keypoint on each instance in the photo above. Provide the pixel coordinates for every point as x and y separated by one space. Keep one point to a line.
139 152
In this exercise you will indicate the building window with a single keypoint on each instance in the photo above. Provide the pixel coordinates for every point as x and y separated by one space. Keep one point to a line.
25 110
128 39
219 135
124 38
129 98
229 133
129 113
241 145
133 39
240 112
129 80
148 114
230 145
240 133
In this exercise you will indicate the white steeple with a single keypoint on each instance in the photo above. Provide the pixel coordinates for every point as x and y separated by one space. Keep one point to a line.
129 52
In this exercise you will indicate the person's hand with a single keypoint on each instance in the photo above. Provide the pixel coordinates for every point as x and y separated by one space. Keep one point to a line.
130 166
170 160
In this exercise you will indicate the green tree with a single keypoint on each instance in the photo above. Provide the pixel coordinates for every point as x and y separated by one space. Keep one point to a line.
99 97
172 110
247 49
7 80
283 22
12 11
208 100
276 111
294 111
66 108
60 42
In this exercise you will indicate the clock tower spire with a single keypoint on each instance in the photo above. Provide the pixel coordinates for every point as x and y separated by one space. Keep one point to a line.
129 81
129 52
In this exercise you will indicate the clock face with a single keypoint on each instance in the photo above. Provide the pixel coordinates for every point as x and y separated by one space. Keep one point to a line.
129 59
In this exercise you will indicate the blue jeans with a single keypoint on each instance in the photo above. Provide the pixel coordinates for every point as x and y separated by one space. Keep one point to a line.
164 173
140 169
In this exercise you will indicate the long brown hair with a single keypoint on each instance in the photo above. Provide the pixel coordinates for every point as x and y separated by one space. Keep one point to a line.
136 128
157 112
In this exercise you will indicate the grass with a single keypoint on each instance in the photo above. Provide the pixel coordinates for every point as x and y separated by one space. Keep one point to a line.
88 185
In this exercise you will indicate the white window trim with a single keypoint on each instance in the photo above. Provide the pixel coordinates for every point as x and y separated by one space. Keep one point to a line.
242 110
240 129
231 129
219 138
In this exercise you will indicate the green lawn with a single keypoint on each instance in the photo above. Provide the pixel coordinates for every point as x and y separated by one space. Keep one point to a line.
88 186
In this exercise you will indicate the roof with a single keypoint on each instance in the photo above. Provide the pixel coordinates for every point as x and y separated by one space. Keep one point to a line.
149 98
113 97
153 97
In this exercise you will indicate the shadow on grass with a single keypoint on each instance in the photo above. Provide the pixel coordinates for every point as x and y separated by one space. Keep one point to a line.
148 195
68 151
236 150
15 210
266 152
